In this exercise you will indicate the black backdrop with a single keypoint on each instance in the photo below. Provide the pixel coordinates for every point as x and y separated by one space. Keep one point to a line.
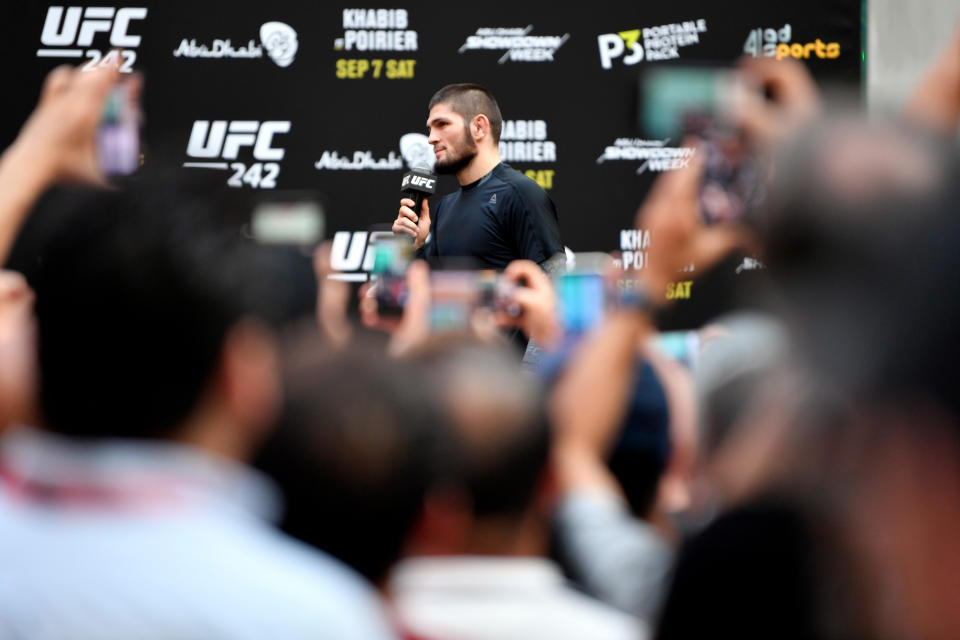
575 106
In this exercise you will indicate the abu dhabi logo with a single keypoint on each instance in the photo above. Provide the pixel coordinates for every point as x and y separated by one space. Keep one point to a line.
279 39
281 42
416 151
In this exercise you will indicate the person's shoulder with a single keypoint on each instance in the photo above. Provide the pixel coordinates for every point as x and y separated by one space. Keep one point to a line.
525 188
511 176
193 558
311 586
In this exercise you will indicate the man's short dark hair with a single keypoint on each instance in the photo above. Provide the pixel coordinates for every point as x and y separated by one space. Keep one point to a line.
354 451
470 100
860 236
136 292
498 420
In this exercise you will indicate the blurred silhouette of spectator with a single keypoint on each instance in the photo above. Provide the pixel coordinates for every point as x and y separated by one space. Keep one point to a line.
477 565
133 513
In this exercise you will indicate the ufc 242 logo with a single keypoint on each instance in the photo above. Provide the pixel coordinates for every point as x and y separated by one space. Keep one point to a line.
224 140
69 32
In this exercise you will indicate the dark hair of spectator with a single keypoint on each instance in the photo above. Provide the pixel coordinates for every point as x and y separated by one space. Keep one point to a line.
136 291
354 452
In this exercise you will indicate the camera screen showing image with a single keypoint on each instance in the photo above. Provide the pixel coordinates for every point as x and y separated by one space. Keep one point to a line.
677 102
118 137
391 258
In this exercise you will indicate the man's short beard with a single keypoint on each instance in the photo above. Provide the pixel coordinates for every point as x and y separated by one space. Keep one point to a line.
454 166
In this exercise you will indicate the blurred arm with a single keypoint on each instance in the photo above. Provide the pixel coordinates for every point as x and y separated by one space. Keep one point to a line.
936 101
57 143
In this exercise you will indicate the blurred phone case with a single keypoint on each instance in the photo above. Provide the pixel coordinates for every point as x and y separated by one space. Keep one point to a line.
118 136
701 101
392 256
582 292
294 219
454 296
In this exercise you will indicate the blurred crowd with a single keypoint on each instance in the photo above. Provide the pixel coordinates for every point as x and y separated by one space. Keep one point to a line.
183 456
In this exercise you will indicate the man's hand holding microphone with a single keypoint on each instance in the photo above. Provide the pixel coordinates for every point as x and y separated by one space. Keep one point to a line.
413 218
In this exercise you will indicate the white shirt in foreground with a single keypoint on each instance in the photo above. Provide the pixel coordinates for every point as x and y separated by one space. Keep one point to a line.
147 540
500 598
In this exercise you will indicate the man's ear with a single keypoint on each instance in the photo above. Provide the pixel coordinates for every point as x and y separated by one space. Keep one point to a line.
249 376
480 127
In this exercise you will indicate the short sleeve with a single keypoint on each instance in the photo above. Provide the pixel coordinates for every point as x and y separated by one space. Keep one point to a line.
532 223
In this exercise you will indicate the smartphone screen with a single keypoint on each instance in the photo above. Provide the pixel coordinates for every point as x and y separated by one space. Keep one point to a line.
454 296
683 346
118 137
582 301
296 222
391 258
677 102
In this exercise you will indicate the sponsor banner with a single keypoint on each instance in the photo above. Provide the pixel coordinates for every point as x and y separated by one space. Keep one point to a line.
634 256
526 142
660 42
376 31
652 155
634 244
249 149
277 38
102 35
518 44
415 151
352 254
778 43
749 264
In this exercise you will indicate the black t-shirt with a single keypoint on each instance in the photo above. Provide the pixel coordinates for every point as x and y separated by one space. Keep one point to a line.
501 217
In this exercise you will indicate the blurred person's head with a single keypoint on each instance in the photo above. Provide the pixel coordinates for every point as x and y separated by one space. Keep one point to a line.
774 566
354 451
861 235
498 477
146 310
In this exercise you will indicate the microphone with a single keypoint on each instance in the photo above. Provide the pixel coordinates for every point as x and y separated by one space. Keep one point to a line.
417 184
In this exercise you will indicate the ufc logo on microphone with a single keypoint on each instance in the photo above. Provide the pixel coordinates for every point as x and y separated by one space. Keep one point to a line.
223 139
67 31
413 180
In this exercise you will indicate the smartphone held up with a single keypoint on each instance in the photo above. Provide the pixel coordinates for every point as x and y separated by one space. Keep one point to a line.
118 136
679 102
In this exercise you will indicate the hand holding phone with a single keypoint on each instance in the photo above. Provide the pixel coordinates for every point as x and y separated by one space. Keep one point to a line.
703 103
527 299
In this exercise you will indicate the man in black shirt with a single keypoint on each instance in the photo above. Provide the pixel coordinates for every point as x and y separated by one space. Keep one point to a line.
498 215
